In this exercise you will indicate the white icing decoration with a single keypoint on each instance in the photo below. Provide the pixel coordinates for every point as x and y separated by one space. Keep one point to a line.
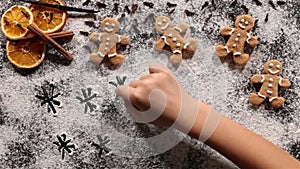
241 26
159 23
108 30
107 39
273 72
263 78
269 92
178 44
237 53
271 99
106 43
248 37
247 23
177 52
270 85
225 47
278 66
106 48
234 45
165 40
165 27
178 29
99 37
271 65
231 32
238 34
107 23
271 79
170 35
261 95
164 20
186 45
100 54
112 55
243 20
280 81
174 39
119 38
113 25
236 39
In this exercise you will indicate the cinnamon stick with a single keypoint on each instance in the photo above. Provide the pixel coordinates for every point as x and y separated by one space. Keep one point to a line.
33 28
56 35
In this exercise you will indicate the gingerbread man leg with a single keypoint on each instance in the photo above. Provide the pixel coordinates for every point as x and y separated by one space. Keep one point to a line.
241 59
277 102
176 58
256 99
95 58
117 60
222 51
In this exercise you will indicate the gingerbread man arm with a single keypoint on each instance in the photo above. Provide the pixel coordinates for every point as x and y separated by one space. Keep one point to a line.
160 44
95 37
257 78
226 31
124 40
181 28
252 40
284 82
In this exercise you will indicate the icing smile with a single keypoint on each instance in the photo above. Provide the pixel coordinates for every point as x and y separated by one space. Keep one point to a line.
165 27
108 30
241 26
273 72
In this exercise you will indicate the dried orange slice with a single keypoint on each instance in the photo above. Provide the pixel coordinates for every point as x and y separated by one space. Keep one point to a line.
15 20
26 54
48 19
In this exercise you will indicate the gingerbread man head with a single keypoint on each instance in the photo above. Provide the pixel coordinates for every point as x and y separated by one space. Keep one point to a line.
273 67
110 25
162 23
244 22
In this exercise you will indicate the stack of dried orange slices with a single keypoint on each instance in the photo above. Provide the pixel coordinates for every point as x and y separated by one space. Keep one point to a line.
30 52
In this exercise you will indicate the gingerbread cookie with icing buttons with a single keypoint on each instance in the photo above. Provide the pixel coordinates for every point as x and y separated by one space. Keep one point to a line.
172 36
108 40
270 82
239 36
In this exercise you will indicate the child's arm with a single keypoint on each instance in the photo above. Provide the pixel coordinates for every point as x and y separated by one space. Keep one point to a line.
238 144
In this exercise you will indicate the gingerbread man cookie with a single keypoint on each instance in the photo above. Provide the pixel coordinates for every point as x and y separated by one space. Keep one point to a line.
108 42
270 82
173 37
238 37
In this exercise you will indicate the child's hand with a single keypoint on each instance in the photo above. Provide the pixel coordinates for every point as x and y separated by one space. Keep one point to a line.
158 97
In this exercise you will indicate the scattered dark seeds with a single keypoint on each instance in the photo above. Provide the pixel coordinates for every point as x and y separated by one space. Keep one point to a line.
204 5
127 9
134 7
233 4
280 3
213 4
189 13
257 2
100 5
170 5
171 11
272 4
149 4
245 9
86 3
267 17
84 33
90 23
116 8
